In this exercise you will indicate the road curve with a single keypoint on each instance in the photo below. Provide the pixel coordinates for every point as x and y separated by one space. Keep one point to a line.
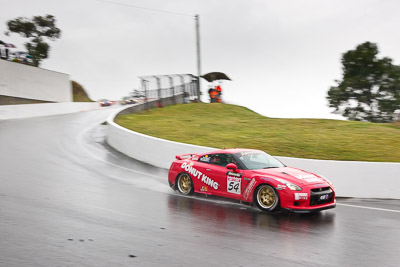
67 199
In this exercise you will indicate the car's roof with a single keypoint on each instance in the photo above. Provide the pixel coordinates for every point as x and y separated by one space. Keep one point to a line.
230 151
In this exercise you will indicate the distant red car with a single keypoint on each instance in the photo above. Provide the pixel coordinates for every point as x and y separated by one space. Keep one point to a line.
105 102
252 176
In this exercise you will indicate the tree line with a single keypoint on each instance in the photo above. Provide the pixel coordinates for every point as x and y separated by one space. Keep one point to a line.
36 30
370 87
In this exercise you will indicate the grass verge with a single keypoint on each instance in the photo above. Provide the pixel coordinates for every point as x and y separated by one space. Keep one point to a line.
229 126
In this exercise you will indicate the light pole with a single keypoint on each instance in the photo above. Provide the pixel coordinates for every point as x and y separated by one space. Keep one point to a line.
196 17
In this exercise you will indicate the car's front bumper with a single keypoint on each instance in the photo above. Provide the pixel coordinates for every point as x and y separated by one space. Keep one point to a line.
307 210
310 199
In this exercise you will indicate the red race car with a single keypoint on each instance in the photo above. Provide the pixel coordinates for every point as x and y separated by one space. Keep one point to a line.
252 176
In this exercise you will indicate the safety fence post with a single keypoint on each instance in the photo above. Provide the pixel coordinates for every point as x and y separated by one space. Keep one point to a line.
144 87
159 103
172 90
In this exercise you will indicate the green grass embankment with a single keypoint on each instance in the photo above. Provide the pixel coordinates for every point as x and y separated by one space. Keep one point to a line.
79 94
229 126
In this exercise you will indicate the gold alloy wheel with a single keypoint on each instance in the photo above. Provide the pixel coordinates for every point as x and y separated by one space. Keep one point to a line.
266 197
184 184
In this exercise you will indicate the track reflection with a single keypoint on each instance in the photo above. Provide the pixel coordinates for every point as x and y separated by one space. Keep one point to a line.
243 216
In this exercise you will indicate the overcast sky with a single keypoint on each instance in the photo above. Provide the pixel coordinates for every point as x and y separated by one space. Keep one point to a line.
282 56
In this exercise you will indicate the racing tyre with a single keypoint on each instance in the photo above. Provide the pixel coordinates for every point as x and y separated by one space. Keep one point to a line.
266 198
185 184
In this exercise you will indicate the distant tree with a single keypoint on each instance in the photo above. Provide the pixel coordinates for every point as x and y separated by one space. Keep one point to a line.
37 30
370 87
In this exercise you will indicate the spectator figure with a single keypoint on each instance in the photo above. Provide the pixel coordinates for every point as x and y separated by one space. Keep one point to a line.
219 91
213 95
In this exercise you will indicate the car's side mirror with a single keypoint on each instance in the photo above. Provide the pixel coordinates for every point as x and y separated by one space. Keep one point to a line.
231 166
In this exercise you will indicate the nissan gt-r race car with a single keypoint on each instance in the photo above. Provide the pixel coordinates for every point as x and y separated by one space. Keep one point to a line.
251 176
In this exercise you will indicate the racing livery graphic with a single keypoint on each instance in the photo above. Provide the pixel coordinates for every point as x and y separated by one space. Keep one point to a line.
251 176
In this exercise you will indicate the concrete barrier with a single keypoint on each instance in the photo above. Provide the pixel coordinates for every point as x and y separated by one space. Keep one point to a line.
355 178
152 150
47 109
351 178
28 82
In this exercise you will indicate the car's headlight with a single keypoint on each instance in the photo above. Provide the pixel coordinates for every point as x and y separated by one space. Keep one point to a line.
289 185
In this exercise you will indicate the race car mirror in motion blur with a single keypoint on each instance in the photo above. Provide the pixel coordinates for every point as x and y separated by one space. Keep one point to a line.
251 176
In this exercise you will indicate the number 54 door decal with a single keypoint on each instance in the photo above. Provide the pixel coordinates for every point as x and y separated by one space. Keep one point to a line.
233 182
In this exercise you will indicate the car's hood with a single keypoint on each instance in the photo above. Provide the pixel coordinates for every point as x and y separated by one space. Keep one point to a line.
292 175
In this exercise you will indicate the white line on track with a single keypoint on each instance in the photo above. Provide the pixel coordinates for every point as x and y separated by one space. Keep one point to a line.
369 208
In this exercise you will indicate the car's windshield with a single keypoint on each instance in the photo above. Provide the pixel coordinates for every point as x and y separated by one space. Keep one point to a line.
254 160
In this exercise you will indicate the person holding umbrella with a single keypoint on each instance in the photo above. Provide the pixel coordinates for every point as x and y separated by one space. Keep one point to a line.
215 93
219 91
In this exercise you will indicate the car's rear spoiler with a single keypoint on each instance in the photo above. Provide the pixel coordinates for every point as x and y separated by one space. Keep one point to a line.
184 156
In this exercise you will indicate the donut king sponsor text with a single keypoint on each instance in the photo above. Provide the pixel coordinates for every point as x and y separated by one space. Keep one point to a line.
199 175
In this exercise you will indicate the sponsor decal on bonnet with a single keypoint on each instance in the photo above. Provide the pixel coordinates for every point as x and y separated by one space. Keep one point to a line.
320 185
304 176
311 180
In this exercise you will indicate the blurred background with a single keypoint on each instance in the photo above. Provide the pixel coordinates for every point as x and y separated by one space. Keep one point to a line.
282 56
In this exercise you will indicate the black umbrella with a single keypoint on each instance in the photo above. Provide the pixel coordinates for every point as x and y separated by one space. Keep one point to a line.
214 76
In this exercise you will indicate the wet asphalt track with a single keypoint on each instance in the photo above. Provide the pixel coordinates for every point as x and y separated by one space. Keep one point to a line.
67 199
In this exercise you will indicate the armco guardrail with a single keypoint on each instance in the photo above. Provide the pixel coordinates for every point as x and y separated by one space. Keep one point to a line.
38 110
351 178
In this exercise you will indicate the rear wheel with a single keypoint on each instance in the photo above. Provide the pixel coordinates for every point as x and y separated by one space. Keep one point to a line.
266 198
185 184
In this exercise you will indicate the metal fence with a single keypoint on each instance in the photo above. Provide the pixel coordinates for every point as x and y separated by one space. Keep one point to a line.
158 87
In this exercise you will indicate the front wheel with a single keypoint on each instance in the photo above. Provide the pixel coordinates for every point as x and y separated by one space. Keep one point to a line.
266 198
185 184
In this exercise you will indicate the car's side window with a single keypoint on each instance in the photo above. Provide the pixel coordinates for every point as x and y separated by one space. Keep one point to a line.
222 159
230 159
205 159
218 159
